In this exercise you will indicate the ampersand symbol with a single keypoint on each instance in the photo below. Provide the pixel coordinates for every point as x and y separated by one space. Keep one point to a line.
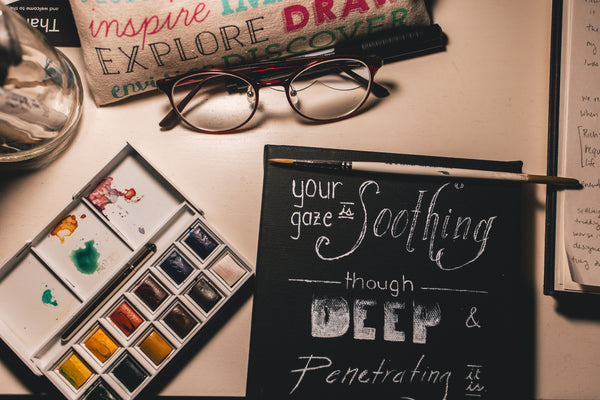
471 321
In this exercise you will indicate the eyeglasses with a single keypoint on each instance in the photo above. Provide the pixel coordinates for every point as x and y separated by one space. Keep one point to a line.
321 89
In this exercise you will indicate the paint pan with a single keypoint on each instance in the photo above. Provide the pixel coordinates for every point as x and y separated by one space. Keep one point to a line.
101 345
180 321
129 373
109 292
176 266
100 391
230 270
205 294
126 318
200 241
150 292
75 371
155 347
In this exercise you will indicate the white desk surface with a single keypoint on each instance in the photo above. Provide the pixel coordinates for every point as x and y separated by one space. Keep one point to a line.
485 97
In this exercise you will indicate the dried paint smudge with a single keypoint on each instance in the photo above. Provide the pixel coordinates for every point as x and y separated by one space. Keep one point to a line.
105 194
48 298
66 228
86 258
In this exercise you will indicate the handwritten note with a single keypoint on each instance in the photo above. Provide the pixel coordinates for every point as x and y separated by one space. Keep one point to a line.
581 136
373 286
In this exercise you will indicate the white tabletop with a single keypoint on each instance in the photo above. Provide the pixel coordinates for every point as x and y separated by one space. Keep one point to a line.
485 97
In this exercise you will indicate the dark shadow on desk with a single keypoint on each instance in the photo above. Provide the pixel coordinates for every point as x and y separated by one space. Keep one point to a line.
9 177
524 332
580 306
39 384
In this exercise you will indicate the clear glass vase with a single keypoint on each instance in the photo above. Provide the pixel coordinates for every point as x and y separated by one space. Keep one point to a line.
40 96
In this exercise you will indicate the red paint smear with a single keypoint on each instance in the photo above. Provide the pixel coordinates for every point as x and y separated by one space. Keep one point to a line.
105 194
129 194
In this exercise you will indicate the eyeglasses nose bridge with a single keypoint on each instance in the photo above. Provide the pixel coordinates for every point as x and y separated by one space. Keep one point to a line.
283 83
273 82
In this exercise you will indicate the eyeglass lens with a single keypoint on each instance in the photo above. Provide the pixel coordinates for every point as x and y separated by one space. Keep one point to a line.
218 101
331 89
215 101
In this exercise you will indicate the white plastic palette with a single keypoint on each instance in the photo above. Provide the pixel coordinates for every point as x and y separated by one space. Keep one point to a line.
189 273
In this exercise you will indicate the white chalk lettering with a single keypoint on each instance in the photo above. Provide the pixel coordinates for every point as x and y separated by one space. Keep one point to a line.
419 374
361 307
425 316
311 189
436 228
390 333
330 318
301 219
394 286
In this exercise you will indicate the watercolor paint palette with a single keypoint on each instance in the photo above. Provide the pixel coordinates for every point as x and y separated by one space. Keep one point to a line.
117 284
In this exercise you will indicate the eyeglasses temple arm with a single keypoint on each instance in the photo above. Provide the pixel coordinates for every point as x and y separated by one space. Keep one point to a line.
172 118
378 90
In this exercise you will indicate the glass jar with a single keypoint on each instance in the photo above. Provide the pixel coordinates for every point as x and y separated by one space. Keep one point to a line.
40 96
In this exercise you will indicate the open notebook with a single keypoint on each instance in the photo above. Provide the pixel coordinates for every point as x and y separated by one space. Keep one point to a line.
573 228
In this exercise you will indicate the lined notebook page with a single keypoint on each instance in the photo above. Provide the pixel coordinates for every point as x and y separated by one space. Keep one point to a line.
578 244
